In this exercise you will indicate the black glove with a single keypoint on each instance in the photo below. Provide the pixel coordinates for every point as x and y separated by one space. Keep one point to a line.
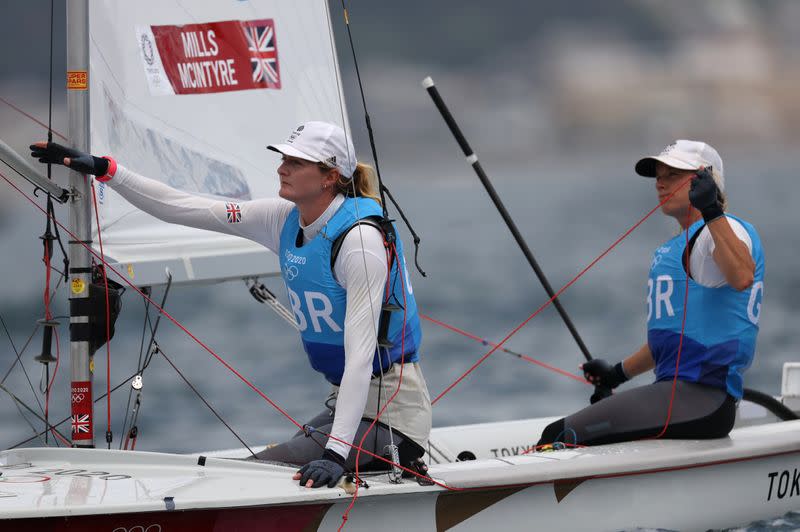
704 195
81 162
327 470
602 374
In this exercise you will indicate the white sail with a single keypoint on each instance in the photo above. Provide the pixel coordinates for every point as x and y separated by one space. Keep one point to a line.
191 93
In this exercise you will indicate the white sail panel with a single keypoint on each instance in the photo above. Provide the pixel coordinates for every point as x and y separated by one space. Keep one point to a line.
190 93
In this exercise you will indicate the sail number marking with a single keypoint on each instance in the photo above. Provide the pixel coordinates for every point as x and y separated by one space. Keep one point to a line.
102 475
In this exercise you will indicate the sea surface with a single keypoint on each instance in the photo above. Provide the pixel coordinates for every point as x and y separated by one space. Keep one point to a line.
477 279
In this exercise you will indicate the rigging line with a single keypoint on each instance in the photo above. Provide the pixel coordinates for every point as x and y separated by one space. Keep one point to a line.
559 292
50 85
205 402
65 256
28 421
361 233
397 391
505 350
154 328
414 236
384 191
364 105
19 401
168 315
30 338
289 38
152 347
48 242
96 400
33 118
210 351
49 387
24 371
138 371
109 434
680 341
23 176
472 159
19 354
389 246
47 316
677 358
348 143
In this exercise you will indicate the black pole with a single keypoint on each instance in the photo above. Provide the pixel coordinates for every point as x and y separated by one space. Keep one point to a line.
472 159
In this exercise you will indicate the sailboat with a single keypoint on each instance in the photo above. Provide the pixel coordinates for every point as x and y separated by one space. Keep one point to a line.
190 91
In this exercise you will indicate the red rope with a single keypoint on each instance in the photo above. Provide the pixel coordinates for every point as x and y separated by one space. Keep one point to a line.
680 341
48 316
560 291
281 410
155 305
23 113
47 400
520 355
400 274
211 351
108 313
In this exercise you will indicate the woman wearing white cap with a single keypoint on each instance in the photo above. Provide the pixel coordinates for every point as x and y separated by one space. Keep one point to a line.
329 234
711 351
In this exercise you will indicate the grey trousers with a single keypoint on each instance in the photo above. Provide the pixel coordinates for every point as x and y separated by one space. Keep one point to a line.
698 412
409 415
304 447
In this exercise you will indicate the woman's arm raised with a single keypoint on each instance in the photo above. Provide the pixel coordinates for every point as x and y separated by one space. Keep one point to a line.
259 220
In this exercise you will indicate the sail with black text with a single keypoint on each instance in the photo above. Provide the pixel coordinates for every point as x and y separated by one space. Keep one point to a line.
191 94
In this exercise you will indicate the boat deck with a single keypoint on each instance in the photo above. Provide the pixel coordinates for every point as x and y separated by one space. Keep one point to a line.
40 482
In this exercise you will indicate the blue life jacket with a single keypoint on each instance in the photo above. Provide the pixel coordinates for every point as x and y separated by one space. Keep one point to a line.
721 323
319 302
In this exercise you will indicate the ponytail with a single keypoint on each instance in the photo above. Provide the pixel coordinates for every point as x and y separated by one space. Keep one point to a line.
363 184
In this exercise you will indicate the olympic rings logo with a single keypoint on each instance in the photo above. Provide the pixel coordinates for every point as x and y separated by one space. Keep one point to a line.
155 527
78 397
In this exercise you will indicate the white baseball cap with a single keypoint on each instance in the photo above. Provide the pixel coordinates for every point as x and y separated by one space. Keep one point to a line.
684 155
320 142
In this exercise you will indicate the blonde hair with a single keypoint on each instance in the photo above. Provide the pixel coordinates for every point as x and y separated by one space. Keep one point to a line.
719 182
363 184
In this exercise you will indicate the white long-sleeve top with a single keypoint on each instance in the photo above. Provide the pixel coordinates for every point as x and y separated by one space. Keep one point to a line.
360 268
702 265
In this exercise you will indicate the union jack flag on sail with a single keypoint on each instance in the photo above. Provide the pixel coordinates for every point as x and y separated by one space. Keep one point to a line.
262 45
80 423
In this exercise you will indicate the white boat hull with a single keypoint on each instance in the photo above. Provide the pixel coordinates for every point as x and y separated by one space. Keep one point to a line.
679 485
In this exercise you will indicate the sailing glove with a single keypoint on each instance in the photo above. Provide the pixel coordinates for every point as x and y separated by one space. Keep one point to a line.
81 162
327 470
601 373
705 196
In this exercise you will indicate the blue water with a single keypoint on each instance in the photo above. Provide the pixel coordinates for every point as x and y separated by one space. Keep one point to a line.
477 280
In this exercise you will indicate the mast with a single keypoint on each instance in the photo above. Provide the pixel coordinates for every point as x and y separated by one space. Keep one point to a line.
81 362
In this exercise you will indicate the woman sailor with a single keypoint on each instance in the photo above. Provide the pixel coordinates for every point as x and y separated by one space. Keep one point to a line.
327 232
725 268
